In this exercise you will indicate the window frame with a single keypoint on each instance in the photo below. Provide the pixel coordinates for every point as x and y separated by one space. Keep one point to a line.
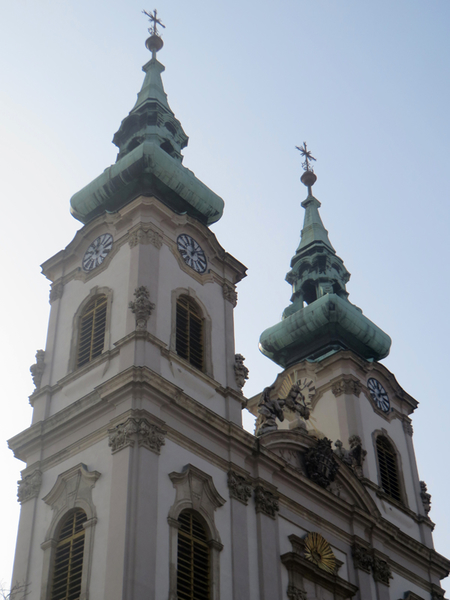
195 492
399 469
80 482
76 324
207 328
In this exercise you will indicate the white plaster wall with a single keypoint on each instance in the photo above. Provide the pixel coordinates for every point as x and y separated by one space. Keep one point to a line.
44 514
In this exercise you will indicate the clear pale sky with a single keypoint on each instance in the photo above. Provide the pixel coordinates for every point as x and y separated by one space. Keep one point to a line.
366 84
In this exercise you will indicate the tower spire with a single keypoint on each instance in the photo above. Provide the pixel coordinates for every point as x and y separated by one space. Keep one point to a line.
320 319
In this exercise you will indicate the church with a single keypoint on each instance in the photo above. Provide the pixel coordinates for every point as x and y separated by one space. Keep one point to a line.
140 481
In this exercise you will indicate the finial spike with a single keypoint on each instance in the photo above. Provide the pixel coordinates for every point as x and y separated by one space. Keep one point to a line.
154 43
309 177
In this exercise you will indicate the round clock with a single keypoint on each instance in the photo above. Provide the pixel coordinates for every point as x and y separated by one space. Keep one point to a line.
379 394
191 253
97 251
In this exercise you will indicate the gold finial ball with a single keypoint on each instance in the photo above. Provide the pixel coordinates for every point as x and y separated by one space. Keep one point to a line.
308 178
154 43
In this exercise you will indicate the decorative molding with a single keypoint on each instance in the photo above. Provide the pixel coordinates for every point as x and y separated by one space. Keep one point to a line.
407 426
347 386
412 596
56 291
70 486
141 307
295 593
240 371
266 502
362 558
37 370
28 487
300 568
321 464
381 570
426 497
145 235
240 486
140 430
437 593
318 551
230 294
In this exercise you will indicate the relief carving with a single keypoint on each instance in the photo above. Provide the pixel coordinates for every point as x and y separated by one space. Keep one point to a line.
134 430
28 487
346 386
56 291
240 486
37 370
426 497
266 502
362 558
407 426
321 464
240 371
271 409
145 235
230 294
381 570
141 307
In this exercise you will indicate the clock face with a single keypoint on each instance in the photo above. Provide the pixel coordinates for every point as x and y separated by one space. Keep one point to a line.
379 395
191 252
97 251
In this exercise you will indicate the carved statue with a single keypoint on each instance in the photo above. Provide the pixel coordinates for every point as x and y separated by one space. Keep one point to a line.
37 370
269 410
426 497
354 457
240 371
295 401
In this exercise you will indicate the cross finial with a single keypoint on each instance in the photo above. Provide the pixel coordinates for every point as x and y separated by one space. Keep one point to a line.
307 156
155 22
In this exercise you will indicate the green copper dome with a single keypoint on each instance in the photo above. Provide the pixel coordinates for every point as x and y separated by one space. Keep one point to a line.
320 319
150 140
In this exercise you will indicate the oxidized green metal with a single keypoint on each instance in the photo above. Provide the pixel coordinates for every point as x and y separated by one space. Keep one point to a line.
150 140
320 319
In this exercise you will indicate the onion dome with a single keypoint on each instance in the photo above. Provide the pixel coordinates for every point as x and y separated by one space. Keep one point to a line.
320 319
150 140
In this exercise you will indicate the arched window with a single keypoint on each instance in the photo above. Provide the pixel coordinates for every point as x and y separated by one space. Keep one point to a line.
91 338
193 560
387 463
68 565
189 332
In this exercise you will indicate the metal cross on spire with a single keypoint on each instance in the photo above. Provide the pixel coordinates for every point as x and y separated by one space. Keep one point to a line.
155 22
307 156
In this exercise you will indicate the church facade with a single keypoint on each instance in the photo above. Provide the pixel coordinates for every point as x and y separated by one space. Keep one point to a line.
140 482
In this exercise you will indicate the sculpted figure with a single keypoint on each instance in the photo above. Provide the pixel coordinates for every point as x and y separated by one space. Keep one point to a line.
295 401
269 410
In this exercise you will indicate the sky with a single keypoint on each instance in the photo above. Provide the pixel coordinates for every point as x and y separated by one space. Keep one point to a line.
365 84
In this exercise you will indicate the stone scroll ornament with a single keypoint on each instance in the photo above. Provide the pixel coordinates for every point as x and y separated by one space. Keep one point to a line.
37 370
240 371
271 409
136 430
240 486
321 464
141 307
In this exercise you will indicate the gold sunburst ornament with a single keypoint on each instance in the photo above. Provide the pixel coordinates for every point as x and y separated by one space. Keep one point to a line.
319 552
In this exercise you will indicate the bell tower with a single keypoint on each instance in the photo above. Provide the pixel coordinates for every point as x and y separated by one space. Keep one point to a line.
141 325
